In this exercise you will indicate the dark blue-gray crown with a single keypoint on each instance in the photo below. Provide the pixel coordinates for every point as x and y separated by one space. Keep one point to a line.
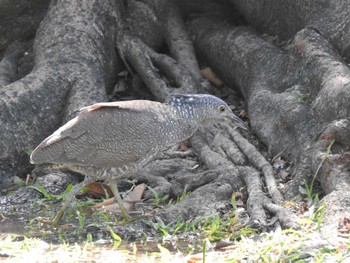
203 108
198 106
196 100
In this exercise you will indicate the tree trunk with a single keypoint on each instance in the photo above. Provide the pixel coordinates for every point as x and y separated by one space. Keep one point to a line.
297 92
288 60
74 58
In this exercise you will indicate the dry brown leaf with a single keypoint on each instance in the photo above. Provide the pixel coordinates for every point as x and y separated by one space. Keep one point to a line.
106 202
136 194
183 147
221 244
99 189
194 259
132 197
208 74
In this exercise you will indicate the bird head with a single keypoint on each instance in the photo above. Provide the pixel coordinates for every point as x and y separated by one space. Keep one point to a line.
205 108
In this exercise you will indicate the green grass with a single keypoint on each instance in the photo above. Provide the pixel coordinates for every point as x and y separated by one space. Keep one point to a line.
304 245
51 197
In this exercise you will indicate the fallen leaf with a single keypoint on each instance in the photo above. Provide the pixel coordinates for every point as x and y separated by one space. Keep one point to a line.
99 189
106 202
208 74
222 244
129 201
194 259
136 194
183 147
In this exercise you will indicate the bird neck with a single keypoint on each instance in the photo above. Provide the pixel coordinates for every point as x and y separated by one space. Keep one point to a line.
189 113
188 117
189 110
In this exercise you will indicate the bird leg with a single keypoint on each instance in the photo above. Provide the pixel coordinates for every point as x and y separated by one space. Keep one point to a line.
111 175
113 186
75 189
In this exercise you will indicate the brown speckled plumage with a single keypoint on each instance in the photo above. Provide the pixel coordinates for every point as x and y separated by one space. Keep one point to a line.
126 135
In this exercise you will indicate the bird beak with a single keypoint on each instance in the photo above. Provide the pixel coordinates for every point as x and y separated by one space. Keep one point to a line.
238 122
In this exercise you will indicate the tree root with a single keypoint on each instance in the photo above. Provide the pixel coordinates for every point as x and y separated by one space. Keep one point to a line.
159 175
286 90
259 162
180 45
257 202
10 62
52 181
32 107
19 20
205 200
258 217
326 161
292 93
147 64
181 71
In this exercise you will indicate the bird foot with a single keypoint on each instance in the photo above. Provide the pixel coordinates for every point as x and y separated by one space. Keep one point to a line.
53 223
129 219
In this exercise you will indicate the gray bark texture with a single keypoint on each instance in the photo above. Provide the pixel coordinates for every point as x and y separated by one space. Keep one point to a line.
287 59
73 58
297 91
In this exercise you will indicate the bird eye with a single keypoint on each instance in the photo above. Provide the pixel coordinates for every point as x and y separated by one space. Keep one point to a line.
222 108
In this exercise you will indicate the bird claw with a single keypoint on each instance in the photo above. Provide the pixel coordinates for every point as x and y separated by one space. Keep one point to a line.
53 223
130 219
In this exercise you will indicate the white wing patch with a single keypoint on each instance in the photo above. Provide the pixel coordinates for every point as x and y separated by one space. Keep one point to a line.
57 135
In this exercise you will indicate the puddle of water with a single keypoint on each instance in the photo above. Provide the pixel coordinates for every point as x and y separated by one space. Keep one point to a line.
92 238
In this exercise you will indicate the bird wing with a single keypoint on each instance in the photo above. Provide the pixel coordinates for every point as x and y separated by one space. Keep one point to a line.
67 130
96 106
136 105
105 134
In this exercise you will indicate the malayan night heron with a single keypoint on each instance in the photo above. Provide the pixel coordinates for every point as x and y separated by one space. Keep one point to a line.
111 140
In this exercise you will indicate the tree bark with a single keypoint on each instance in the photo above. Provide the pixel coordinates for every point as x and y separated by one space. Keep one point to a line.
297 94
74 57
288 59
